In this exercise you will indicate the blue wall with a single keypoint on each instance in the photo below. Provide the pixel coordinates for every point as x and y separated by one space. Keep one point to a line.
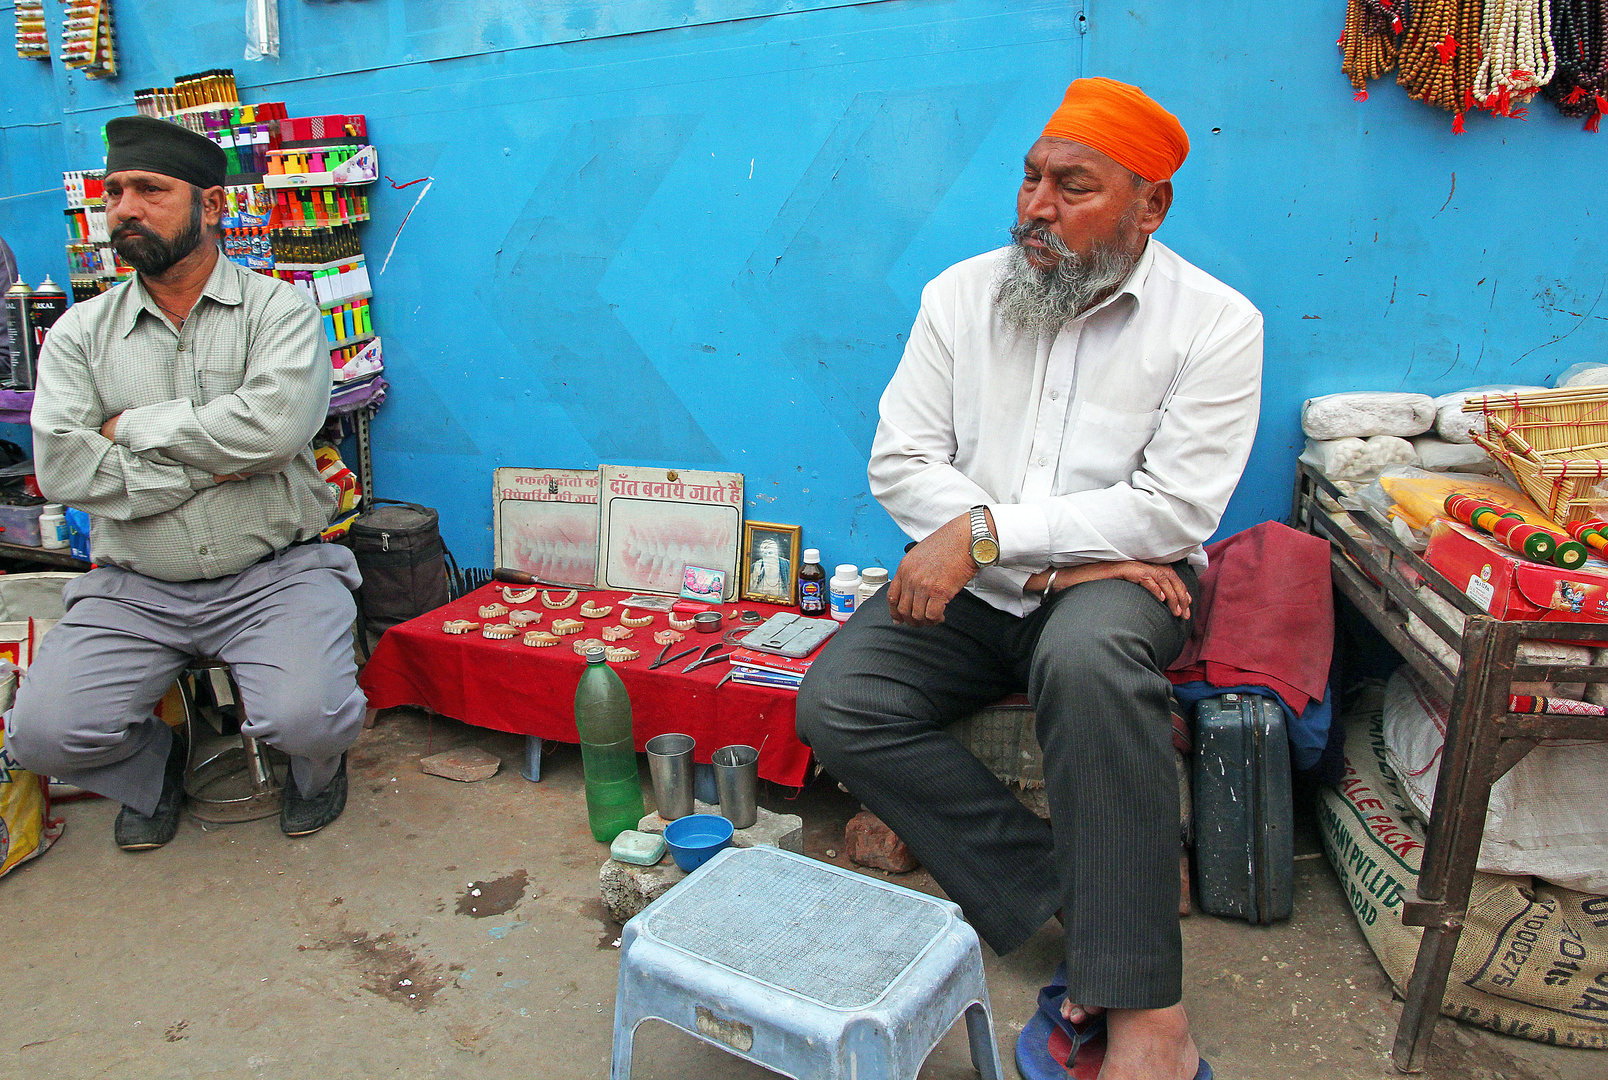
694 232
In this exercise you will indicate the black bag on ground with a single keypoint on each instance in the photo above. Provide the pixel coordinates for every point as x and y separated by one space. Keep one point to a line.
404 565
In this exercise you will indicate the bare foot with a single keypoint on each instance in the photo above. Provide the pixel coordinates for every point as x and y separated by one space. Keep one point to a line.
1149 1044
1077 1014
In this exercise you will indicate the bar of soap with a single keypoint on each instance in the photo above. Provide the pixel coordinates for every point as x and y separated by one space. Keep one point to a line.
643 849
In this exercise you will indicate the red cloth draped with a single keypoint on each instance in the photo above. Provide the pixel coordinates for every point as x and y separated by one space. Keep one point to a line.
510 686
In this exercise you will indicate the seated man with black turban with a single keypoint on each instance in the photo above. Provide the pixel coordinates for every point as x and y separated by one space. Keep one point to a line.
177 410
1066 426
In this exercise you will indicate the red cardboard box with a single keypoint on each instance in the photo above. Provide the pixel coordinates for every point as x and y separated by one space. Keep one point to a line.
308 128
1512 587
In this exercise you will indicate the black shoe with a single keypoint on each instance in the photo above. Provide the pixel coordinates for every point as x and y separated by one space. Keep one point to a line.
135 831
301 815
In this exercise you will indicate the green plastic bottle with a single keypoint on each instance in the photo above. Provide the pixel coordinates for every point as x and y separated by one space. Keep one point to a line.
603 719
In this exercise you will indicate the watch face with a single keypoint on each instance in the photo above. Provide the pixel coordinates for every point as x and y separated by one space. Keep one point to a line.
985 551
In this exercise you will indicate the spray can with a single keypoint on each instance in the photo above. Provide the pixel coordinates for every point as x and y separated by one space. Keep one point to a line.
21 375
48 303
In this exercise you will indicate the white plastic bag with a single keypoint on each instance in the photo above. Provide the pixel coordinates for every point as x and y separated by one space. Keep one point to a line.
1548 815
1363 413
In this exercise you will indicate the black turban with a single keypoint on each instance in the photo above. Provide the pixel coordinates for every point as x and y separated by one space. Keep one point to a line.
147 144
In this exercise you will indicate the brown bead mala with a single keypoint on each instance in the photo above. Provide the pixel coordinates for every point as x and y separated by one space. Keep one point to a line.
1580 42
1440 54
1369 41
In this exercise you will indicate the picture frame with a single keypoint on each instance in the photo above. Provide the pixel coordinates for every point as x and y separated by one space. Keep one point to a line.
767 577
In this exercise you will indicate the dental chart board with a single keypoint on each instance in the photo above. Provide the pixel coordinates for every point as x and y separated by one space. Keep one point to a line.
655 522
546 522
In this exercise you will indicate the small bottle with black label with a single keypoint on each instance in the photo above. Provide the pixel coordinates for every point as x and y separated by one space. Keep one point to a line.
812 598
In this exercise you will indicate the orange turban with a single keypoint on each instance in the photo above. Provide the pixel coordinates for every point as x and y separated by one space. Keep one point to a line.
1123 124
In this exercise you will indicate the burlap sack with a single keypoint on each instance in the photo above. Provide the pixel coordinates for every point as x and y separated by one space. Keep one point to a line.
1533 958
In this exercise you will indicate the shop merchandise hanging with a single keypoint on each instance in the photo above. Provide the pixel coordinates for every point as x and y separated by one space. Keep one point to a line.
1579 89
1487 55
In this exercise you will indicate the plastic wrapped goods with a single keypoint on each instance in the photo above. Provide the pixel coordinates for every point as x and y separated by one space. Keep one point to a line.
1548 815
1363 413
1438 455
1357 459
1454 425
1529 652
1583 375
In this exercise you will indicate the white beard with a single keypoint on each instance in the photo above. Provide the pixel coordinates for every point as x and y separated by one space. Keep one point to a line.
1043 301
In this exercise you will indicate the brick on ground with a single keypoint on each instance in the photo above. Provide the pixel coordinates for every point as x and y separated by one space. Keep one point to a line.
869 842
466 763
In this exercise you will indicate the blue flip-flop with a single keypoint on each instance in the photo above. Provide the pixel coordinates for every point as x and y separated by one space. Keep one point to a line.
1048 1047
1051 1047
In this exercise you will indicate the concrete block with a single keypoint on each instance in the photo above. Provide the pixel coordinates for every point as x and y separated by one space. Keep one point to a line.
466 763
785 831
628 889
869 842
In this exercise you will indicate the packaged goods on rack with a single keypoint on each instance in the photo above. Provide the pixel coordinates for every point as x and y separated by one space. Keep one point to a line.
1362 414
32 44
86 38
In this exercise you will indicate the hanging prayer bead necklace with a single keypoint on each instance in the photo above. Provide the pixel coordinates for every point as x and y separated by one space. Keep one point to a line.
1369 41
1580 87
1518 60
1440 54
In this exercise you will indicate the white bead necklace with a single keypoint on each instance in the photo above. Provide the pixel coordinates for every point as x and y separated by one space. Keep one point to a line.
1516 42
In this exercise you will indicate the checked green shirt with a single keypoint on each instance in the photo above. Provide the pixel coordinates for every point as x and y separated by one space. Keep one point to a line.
241 387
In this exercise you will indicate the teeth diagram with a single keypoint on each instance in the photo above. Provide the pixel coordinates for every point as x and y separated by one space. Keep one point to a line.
651 543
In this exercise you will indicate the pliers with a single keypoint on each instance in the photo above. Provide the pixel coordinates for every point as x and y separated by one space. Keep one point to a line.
661 660
705 658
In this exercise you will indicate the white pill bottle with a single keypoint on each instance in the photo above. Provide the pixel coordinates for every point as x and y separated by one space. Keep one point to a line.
844 590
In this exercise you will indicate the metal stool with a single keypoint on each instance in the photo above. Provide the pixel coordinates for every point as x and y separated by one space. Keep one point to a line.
229 776
804 968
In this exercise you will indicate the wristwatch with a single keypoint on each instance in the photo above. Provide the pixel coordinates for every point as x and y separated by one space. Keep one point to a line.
984 544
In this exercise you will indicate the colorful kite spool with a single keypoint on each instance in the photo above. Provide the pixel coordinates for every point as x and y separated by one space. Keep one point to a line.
1593 532
1509 526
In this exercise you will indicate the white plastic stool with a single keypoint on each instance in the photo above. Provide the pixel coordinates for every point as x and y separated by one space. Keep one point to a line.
803 968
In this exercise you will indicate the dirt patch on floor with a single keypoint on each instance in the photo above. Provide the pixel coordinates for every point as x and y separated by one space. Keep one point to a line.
494 897
389 968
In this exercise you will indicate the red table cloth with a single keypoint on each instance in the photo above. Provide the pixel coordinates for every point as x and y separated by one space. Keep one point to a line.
510 686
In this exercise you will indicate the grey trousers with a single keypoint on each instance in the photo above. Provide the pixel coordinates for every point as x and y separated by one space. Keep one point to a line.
83 712
875 707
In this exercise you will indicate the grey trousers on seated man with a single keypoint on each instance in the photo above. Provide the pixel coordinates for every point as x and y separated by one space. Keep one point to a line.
83 712
874 709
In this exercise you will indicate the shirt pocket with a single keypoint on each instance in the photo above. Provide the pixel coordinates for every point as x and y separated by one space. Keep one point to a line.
215 383
1107 445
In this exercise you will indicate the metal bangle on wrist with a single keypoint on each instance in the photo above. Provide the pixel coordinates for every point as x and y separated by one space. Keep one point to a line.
1044 597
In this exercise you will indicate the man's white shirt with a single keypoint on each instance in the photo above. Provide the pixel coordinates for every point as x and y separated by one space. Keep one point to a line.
1120 437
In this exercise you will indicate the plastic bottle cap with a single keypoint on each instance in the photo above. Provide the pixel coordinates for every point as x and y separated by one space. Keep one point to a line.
812 555
848 570
595 655
50 508
873 573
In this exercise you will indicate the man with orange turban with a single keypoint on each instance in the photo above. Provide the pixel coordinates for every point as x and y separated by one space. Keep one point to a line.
1069 419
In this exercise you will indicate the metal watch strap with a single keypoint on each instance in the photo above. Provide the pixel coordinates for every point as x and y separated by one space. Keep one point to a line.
979 524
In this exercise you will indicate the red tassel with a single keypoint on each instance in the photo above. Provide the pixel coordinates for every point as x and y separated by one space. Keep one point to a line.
1341 41
1575 96
1457 124
1360 95
1602 104
1593 121
1447 49
1395 25
1503 103
1468 100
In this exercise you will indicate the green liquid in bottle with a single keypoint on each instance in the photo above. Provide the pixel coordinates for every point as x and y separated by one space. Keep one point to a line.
603 719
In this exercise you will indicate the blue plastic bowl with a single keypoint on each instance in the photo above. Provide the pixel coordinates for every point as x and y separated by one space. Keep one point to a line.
696 837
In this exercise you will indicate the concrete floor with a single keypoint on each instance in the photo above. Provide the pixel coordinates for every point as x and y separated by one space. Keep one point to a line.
363 951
